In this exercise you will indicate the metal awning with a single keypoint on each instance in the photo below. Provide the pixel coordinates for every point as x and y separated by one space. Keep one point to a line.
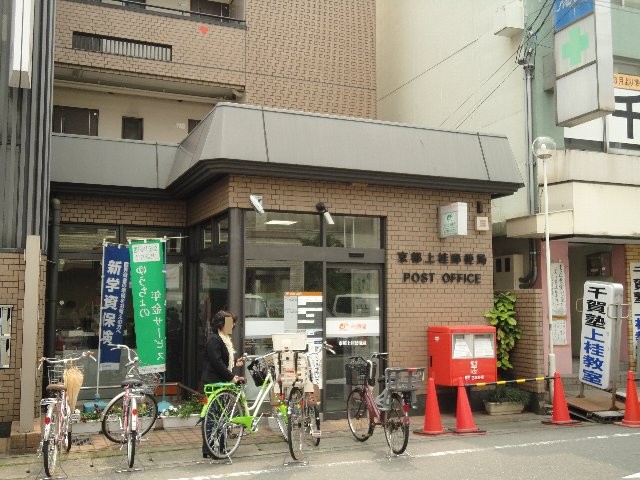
251 140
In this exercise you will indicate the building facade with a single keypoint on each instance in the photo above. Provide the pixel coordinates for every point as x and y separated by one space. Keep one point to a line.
494 72
166 116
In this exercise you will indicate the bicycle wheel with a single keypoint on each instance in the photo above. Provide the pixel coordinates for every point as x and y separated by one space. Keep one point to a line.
66 433
360 422
297 423
131 447
219 433
51 443
396 431
313 416
112 424
280 416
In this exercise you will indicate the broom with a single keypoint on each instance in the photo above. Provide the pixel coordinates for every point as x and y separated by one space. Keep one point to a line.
73 378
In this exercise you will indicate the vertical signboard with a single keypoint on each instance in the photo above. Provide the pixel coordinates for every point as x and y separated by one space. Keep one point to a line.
600 333
635 304
148 289
115 283
583 60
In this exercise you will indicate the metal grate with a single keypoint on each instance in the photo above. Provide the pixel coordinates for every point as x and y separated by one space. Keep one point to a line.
121 46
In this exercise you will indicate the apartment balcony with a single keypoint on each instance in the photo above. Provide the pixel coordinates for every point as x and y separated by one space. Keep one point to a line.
592 196
85 162
153 46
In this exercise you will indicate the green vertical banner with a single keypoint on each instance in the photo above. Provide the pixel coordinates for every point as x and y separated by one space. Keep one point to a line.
148 288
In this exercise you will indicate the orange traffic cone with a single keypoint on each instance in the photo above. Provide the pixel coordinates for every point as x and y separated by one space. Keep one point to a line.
631 405
464 419
560 414
432 423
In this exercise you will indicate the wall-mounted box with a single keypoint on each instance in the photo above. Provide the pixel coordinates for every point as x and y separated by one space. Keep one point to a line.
509 19
452 219
507 271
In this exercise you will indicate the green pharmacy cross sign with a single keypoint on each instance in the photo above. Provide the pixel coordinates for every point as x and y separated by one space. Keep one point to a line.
577 44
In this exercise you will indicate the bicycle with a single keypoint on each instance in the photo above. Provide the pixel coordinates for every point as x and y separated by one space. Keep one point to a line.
389 409
227 413
57 429
303 415
133 412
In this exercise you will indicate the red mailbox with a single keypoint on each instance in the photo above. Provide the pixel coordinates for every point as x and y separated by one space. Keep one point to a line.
467 352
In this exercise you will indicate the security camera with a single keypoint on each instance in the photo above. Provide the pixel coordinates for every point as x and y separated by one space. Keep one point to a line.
256 202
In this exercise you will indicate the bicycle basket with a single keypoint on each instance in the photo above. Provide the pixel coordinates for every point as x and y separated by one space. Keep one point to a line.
357 372
56 374
150 381
258 369
403 379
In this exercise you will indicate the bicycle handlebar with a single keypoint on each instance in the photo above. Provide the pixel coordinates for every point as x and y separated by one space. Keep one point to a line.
54 360
380 355
131 361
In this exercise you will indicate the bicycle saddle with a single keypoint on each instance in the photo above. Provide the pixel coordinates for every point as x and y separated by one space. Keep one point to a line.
56 387
131 382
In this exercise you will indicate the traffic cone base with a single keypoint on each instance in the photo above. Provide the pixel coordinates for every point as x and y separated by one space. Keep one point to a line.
432 424
464 420
631 405
560 416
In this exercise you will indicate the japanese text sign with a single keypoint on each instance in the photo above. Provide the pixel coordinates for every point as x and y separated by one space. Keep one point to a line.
148 289
115 283
635 301
599 337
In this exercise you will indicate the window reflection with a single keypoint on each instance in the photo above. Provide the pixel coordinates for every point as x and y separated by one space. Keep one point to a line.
354 232
281 228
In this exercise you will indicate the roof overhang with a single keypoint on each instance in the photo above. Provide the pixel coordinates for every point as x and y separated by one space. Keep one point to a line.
252 140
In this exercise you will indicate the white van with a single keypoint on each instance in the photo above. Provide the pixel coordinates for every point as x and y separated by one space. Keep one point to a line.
356 305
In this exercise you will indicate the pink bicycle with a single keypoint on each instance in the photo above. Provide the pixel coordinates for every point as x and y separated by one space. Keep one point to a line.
389 409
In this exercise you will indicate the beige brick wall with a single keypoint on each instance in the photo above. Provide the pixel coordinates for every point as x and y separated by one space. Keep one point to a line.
122 211
311 55
527 356
12 270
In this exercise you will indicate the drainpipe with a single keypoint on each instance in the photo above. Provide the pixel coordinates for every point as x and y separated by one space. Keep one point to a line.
529 280
52 281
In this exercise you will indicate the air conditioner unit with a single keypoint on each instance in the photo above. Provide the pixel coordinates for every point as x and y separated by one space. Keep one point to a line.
507 270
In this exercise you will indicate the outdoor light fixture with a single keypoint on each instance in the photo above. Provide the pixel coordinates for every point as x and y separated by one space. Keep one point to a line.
325 213
544 148
256 203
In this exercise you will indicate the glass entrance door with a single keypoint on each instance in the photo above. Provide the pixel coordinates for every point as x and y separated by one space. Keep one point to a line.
353 324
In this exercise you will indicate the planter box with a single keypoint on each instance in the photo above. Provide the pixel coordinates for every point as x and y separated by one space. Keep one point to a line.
88 427
503 408
177 422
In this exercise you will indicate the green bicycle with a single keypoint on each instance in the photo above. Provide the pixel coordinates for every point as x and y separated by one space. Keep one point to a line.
227 413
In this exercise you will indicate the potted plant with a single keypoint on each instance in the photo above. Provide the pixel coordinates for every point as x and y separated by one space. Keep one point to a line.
503 317
183 415
505 399
87 422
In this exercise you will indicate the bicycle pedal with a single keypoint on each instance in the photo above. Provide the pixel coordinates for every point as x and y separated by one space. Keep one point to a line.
316 433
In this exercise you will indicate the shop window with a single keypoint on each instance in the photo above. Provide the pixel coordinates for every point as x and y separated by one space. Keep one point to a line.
76 121
222 226
132 128
219 9
85 237
354 232
282 229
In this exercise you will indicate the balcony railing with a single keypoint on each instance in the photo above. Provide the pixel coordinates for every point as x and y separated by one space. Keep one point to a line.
167 11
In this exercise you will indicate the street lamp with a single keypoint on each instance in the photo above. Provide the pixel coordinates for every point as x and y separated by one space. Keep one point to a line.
543 148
